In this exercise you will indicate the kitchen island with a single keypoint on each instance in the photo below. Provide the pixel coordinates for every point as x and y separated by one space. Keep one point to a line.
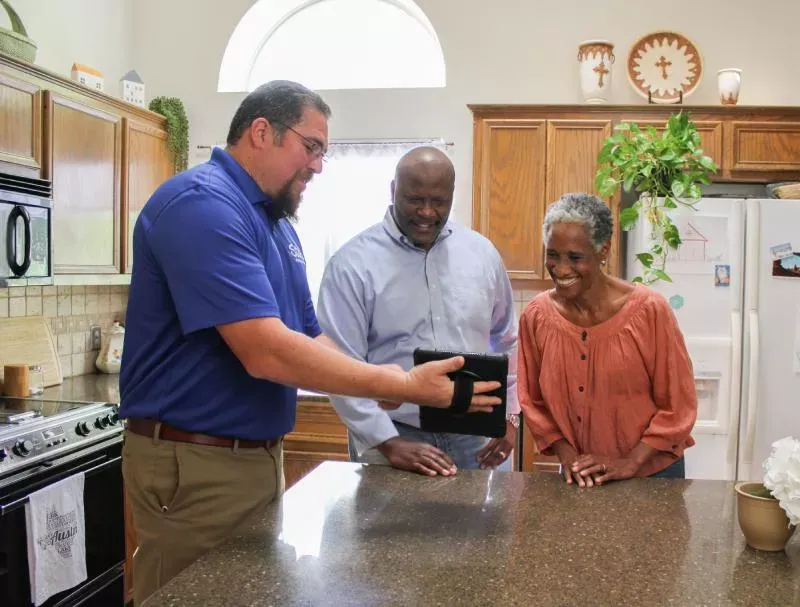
348 534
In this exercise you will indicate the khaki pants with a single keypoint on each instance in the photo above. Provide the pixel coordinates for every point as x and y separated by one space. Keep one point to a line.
188 498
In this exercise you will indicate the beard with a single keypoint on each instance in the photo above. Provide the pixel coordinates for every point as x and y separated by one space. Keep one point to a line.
285 204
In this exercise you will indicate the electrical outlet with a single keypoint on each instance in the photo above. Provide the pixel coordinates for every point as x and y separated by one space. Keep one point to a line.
95 338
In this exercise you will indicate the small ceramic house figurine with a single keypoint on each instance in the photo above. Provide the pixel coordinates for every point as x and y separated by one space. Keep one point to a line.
132 88
88 76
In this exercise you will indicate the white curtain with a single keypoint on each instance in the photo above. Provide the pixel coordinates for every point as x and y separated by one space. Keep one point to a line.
351 194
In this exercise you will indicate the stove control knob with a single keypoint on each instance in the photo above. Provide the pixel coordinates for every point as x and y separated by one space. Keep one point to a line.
23 448
3 454
114 418
82 429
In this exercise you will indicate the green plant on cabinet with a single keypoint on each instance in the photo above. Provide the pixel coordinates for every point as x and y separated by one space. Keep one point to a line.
177 128
666 170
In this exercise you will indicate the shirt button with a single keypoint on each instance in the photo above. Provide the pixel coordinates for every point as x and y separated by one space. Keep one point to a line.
580 388
579 418
584 335
583 356
433 286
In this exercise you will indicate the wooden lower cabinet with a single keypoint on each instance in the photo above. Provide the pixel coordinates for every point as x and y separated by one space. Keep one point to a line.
318 435
532 460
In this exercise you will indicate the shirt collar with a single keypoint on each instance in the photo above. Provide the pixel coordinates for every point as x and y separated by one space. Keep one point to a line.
390 225
241 177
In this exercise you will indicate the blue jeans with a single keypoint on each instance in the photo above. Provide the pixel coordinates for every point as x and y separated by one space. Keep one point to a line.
461 448
676 469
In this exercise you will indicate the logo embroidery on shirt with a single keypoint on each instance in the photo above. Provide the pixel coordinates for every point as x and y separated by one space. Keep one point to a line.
295 252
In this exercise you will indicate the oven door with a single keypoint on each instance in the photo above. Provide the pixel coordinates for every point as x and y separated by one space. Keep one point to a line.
105 534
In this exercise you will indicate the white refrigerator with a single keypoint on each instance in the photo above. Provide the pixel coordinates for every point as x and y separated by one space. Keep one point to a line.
736 295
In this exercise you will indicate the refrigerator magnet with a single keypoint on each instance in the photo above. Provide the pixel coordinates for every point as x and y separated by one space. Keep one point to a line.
779 251
676 301
787 267
722 275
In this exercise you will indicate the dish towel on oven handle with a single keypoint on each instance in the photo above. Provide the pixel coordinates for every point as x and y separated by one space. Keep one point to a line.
56 538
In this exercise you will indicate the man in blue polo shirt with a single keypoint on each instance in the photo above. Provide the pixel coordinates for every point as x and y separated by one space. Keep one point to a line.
221 330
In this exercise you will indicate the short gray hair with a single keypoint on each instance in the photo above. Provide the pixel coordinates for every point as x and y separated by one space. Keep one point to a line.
585 209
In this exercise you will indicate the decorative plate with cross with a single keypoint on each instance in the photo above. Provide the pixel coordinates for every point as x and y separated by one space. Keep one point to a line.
664 64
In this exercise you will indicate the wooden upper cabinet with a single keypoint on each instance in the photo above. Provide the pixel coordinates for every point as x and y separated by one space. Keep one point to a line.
148 163
83 160
765 146
20 127
509 191
572 149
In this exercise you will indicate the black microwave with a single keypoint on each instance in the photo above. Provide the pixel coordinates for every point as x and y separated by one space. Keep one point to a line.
26 256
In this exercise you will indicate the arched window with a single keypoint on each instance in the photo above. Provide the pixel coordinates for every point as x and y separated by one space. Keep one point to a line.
333 44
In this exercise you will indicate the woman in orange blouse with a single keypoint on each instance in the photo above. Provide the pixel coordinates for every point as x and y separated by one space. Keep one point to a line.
604 378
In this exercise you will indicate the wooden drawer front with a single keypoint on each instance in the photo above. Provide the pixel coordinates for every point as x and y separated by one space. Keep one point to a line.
765 146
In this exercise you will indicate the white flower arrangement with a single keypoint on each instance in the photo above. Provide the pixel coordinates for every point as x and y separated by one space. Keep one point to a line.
782 476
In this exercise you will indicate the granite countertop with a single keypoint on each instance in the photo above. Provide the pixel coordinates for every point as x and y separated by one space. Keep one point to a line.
369 535
96 387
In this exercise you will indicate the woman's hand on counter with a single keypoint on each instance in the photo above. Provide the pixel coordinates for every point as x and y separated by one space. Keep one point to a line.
599 469
567 456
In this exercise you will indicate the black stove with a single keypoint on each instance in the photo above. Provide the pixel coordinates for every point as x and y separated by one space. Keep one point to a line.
41 443
33 431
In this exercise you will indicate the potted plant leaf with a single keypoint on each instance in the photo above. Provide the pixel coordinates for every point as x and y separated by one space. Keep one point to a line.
666 169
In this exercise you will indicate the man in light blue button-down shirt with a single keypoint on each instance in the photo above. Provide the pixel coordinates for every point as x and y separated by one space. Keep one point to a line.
418 280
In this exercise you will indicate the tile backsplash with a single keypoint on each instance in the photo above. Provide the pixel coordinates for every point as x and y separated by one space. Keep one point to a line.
72 311
521 299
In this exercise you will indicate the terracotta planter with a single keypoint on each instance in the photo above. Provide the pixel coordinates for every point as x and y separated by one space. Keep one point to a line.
762 520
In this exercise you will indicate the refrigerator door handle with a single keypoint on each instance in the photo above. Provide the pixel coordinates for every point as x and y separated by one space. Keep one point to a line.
735 385
752 390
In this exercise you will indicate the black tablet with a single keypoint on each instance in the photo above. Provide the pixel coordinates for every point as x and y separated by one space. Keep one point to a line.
479 367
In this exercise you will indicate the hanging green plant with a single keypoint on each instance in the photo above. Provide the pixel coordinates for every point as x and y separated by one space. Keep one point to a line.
666 170
177 128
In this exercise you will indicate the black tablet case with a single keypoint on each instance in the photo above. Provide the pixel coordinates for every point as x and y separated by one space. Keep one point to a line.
487 367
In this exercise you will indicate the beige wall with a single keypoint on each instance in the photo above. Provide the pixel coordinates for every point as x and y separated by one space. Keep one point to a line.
503 51
94 32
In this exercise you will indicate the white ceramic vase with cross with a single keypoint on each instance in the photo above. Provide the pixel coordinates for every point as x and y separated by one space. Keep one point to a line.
595 58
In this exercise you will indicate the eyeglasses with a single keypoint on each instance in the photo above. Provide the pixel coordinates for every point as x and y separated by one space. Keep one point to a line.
314 148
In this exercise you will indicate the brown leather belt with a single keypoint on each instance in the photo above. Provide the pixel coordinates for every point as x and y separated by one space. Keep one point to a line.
147 427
